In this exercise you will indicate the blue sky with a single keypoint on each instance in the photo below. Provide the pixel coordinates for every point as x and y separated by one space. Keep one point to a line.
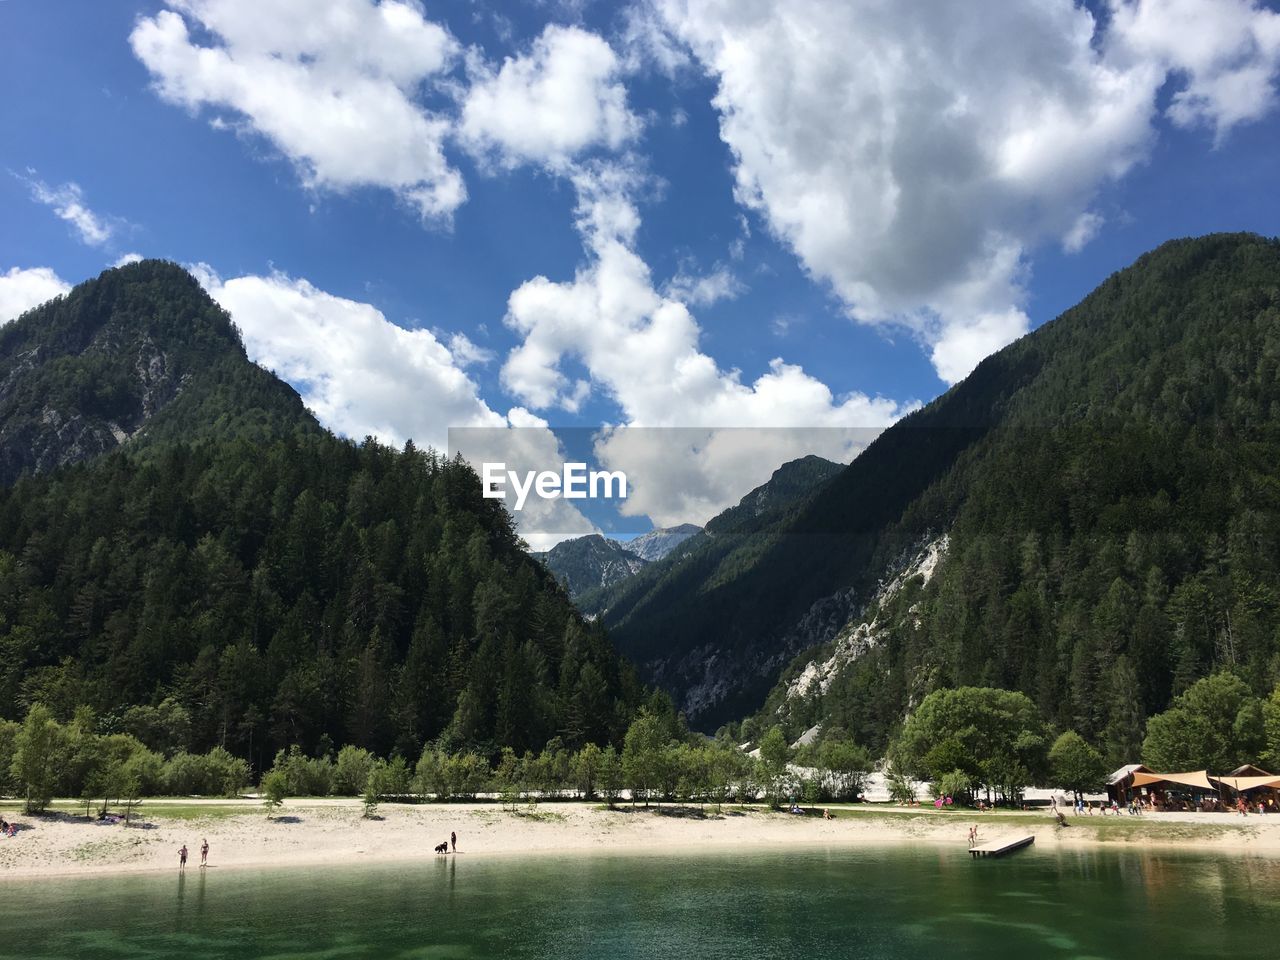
1130 122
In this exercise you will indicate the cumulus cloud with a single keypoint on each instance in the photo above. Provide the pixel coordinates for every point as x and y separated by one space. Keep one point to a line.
550 104
360 373
1225 55
912 155
640 345
641 348
68 203
127 259
465 353
22 289
1082 231
707 289
334 86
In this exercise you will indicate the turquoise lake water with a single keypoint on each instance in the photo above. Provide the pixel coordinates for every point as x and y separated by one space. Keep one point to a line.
914 903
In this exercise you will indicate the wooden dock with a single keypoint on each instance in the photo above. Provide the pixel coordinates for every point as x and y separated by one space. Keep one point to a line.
998 848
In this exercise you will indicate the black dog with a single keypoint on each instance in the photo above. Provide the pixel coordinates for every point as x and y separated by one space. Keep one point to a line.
442 847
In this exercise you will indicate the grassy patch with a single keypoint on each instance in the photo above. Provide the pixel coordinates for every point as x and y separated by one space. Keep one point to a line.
213 809
185 812
107 849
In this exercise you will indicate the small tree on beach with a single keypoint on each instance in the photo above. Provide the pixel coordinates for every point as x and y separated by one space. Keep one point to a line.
127 779
955 784
774 754
38 749
901 787
374 785
583 768
506 777
275 789
642 756
725 763
609 775
1074 765
845 765
352 770
748 778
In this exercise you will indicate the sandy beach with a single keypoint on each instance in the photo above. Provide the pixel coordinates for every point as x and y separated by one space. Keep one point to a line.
333 832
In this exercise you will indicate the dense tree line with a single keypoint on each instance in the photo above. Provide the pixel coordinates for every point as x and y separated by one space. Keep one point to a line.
1113 513
979 739
41 758
660 761
308 592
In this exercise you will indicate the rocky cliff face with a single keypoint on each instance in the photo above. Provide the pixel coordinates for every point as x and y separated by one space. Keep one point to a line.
65 429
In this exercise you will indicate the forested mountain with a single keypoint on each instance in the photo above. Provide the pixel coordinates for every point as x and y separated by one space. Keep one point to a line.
656 617
590 562
141 352
264 582
1107 487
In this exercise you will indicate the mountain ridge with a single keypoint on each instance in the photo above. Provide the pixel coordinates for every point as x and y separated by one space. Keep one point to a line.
1166 369
104 365
231 563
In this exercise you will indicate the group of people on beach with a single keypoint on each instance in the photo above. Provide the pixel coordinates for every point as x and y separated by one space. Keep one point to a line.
204 856
8 829
1136 807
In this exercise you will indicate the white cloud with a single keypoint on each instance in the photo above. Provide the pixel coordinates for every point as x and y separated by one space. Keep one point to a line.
641 348
67 201
357 371
640 345
912 155
547 106
127 259
1224 53
962 344
334 86
1082 231
689 475
22 289
703 291
465 353
362 375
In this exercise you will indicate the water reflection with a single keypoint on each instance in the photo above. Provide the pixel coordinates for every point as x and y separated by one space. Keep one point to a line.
820 904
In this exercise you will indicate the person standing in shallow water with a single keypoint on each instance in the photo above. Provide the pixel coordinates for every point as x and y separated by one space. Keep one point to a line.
182 859
453 841
204 852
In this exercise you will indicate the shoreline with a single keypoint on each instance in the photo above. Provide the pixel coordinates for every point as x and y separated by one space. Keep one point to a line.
331 832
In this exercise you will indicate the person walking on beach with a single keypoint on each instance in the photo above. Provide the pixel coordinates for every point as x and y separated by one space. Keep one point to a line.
182 859
204 852
453 841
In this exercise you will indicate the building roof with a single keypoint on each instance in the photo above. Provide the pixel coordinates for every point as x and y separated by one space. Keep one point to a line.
1190 778
1126 771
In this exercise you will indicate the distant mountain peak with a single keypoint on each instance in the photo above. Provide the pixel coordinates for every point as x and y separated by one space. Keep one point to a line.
590 562
659 542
